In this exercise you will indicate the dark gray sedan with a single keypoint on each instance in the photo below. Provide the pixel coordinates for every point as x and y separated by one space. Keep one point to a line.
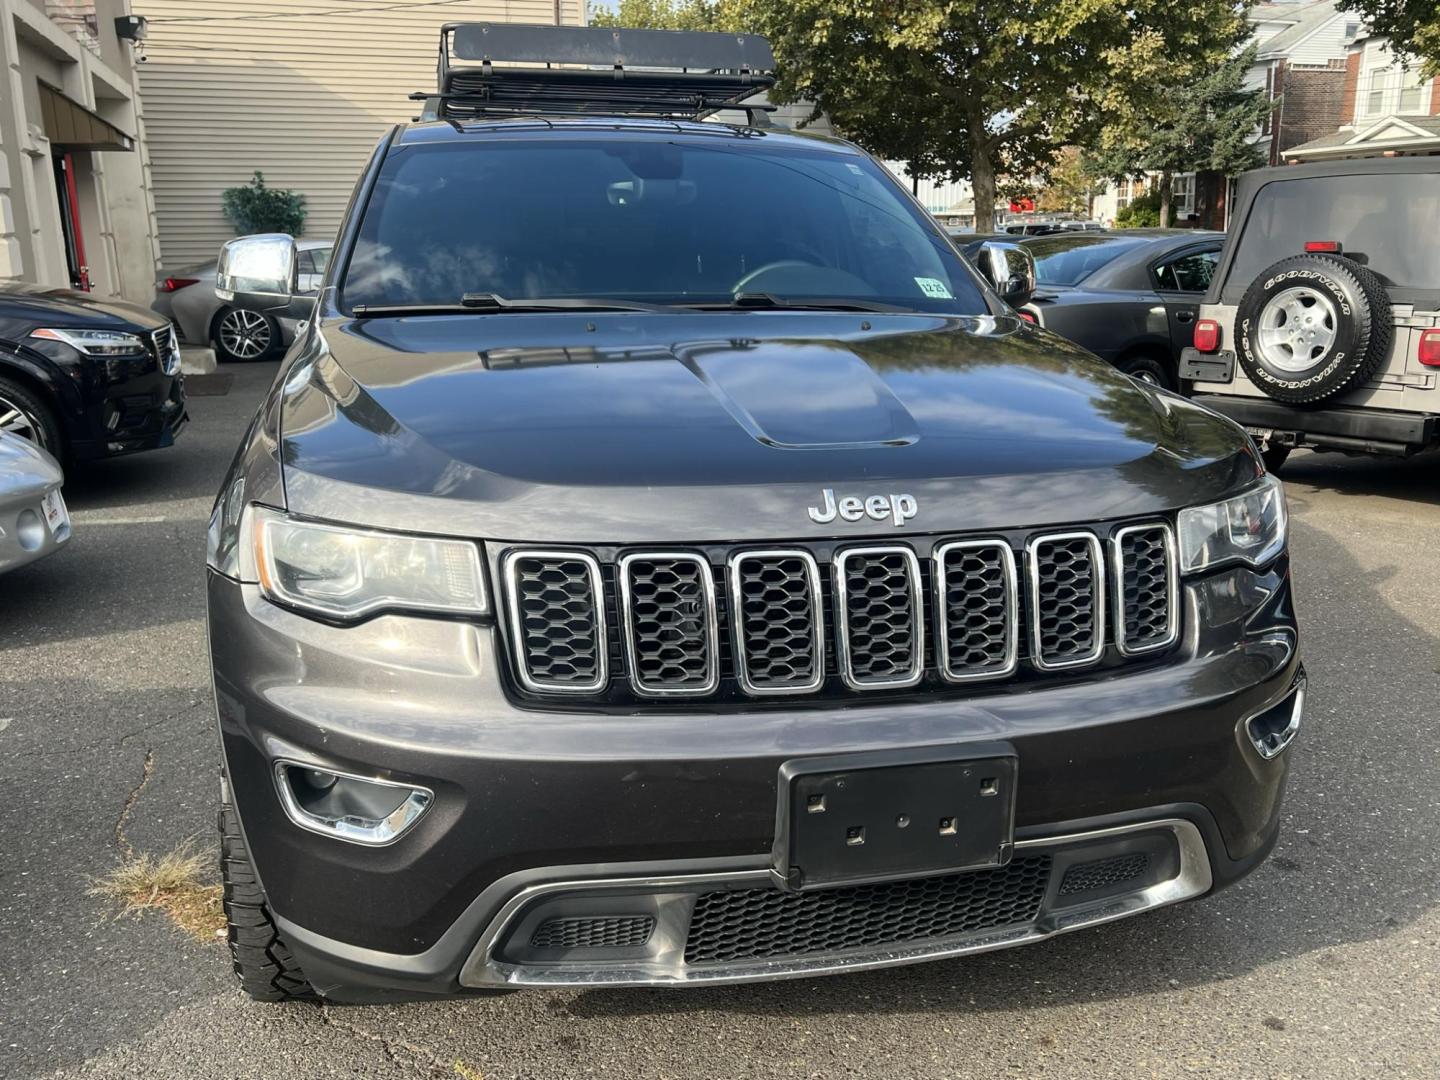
1130 296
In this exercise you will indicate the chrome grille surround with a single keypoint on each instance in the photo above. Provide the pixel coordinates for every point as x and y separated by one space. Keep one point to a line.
741 605
1128 643
1007 609
846 644
662 621
518 629
1043 581
166 344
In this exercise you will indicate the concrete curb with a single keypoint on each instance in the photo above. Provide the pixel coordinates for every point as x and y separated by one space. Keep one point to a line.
196 361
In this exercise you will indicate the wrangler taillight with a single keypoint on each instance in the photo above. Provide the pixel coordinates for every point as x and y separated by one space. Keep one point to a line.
1323 247
1207 335
1429 351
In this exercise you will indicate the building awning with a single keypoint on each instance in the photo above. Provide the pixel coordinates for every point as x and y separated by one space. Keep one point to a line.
71 126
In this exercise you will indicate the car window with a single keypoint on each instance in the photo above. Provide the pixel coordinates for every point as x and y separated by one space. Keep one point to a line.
1068 259
648 220
1190 272
320 259
1383 221
305 262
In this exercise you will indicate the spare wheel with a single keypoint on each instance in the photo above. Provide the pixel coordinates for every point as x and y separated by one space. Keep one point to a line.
1312 327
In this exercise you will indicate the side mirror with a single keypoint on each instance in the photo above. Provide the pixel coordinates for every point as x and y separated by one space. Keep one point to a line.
257 271
1009 269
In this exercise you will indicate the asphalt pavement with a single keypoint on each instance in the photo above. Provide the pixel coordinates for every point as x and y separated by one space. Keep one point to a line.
1324 963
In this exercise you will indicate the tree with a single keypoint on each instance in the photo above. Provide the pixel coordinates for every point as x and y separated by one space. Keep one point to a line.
1195 125
975 89
669 14
1413 27
1070 185
256 208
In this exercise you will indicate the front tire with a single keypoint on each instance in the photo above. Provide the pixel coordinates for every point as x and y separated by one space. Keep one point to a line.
25 414
241 336
262 961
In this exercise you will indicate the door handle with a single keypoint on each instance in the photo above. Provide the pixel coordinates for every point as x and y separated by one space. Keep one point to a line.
1184 316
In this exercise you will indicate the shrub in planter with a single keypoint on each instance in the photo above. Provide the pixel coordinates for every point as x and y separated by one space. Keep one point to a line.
256 208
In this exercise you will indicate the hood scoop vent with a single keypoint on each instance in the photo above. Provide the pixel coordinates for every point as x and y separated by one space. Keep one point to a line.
826 397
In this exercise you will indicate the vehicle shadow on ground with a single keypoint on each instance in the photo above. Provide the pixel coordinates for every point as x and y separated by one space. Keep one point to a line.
1409 479
1354 862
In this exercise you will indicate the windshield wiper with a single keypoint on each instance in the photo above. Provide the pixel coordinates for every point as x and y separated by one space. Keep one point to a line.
481 303
764 301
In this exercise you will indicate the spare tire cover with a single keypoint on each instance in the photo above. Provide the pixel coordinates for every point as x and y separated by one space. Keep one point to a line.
1312 327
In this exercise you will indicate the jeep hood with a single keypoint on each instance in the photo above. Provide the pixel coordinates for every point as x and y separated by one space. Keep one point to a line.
727 426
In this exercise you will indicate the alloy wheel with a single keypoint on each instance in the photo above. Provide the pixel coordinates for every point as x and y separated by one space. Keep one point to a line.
245 334
1297 328
16 421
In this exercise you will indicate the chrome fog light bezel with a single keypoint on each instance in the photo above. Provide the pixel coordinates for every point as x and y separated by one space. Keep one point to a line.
1272 744
368 832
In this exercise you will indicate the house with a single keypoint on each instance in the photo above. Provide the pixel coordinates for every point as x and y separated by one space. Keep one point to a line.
1300 64
1388 109
75 206
299 90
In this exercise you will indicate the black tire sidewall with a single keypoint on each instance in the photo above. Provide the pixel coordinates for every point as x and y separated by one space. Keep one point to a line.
39 410
225 356
1362 328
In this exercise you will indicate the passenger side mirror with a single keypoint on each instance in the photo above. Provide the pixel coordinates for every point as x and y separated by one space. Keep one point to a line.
257 272
1009 269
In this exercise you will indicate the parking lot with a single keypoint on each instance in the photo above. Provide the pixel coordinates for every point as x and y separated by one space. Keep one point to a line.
1326 962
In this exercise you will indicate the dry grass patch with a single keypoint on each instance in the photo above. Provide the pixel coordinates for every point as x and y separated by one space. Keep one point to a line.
174 883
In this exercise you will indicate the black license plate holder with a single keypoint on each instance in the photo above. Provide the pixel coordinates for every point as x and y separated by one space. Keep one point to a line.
856 818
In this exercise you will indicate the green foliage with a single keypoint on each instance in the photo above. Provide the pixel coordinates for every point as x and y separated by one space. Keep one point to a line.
1413 27
256 208
670 14
975 89
1072 181
1141 212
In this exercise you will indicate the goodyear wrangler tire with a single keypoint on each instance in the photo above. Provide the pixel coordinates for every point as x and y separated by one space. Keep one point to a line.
1313 327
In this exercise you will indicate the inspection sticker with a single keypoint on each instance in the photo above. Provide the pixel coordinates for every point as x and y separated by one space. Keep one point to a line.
934 288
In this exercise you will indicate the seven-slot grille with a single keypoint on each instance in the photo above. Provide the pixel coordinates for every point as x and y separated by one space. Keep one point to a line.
779 621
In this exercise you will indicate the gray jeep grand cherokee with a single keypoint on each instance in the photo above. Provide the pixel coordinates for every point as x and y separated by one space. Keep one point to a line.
662 560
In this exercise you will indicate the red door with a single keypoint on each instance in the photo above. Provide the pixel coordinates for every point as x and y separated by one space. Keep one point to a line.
70 222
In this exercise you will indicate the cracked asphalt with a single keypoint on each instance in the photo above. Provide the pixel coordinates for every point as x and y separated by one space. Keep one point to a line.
1325 963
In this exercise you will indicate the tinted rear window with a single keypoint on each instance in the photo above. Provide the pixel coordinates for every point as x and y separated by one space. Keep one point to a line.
647 220
1069 260
1385 221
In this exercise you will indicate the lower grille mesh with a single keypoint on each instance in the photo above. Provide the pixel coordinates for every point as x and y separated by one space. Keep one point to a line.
597 932
757 924
1104 873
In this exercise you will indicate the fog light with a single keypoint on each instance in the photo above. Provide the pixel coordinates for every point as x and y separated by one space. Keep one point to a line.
29 530
1274 728
362 810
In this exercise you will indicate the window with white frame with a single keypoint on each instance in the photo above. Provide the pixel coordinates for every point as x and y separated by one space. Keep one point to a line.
1393 89
1182 196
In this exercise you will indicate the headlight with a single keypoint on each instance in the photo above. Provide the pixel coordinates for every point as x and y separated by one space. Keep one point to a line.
95 342
1249 528
345 573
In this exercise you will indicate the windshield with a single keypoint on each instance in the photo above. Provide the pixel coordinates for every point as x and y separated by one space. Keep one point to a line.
1383 221
1070 259
646 220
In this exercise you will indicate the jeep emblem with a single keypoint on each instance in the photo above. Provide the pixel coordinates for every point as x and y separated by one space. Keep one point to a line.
898 508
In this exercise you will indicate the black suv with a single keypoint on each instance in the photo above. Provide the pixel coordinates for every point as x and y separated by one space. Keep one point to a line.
662 559
87 378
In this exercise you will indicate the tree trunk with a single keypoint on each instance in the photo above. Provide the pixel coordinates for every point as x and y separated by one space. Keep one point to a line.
1166 180
982 184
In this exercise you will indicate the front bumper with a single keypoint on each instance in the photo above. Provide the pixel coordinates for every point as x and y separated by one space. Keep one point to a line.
146 414
581 803
20 544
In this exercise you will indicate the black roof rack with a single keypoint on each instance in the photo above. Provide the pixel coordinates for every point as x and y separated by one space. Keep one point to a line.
514 69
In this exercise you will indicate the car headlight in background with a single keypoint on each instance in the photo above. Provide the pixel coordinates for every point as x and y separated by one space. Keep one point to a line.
1249 528
343 572
94 342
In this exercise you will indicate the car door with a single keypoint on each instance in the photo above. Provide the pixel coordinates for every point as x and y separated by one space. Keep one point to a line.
1181 279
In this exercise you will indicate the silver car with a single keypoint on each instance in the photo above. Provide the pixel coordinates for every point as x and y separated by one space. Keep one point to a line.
187 298
33 519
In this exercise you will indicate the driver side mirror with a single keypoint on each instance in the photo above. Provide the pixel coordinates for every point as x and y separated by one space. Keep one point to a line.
1009 269
257 272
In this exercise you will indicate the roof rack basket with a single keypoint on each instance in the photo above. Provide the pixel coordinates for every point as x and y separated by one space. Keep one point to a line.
513 69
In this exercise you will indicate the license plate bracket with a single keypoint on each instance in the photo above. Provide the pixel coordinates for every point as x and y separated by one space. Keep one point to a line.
849 819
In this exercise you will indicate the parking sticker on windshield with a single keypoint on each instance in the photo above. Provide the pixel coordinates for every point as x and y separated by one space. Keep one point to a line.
934 288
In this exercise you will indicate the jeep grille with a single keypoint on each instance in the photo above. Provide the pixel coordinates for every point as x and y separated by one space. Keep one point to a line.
824 618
